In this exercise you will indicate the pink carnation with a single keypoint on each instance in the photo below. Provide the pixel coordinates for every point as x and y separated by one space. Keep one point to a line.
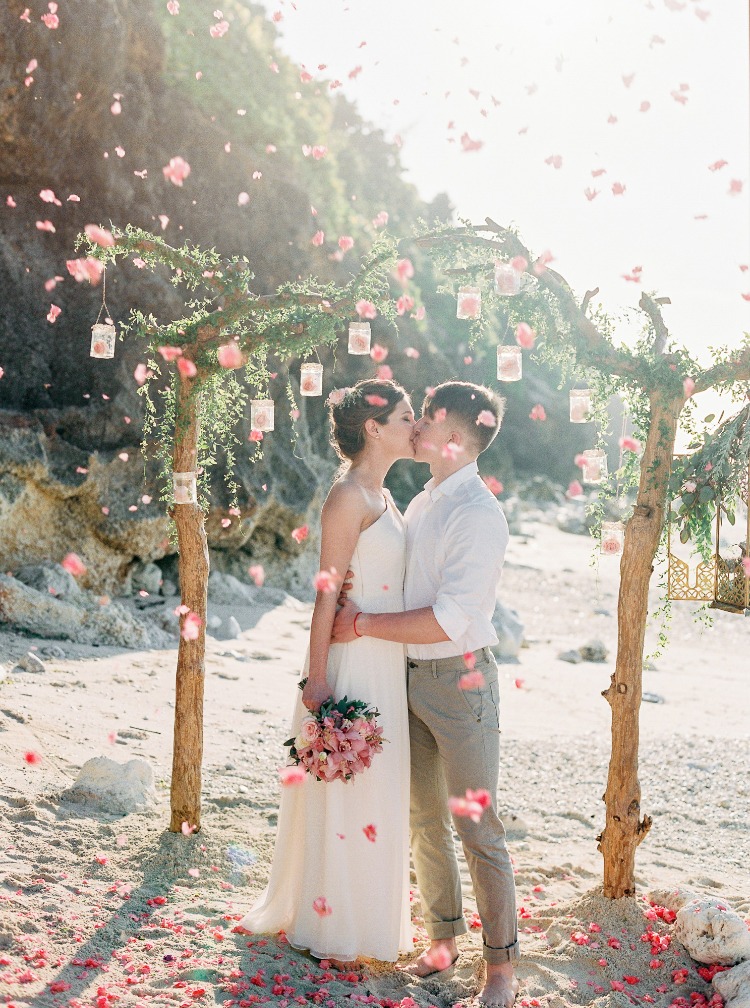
471 680
318 238
404 270
538 413
345 244
85 269
378 353
525 336
191 626
230 356
326 581
487 419
291 775
300 534
170 353
365 309
321 907
493 485
257 573
384 373
186 368
630 444
218 29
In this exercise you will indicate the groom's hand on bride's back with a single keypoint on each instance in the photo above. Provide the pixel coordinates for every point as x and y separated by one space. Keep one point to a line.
345 588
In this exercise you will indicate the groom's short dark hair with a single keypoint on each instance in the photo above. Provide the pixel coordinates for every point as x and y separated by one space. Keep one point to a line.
470 405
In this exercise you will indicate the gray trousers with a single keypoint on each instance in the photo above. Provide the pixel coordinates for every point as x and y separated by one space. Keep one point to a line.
455 745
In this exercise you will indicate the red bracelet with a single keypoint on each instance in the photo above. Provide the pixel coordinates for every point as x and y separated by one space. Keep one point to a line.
355 625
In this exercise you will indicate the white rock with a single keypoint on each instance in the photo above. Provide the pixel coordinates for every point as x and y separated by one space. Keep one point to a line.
672 899
734 986
30 663
712 932
119 788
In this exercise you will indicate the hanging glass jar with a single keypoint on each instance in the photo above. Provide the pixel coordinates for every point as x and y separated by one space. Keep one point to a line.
359 338
311 380
469 303
103 341
185 489
594 465
261 414
580 405
509 363
507 280
613 538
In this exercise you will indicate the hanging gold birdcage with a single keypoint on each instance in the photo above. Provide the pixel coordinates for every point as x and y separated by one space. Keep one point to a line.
723 579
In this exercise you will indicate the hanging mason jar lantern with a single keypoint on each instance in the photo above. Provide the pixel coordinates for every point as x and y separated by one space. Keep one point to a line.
359 338
613 538
185 489
469 303
311 380
580 405
509 363
507 280
261 414
594 465
103 341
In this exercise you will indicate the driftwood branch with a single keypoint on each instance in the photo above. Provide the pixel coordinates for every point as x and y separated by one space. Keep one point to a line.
587 298
652 308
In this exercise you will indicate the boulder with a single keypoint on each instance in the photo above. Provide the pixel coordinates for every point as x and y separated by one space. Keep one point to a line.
86 622
229 629
49 577
734 986
672 899
29 663
572 518
594 651
117 788
573 657
712 932
146 577
509 630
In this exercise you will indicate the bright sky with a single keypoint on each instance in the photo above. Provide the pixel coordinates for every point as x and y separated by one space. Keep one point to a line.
654 92
542 80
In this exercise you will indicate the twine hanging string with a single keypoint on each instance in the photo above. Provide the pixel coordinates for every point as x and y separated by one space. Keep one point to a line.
104 298
622 454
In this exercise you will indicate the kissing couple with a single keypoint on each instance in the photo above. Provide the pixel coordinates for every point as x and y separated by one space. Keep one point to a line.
420 594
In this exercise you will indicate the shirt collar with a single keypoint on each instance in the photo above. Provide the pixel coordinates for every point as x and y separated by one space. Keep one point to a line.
449 486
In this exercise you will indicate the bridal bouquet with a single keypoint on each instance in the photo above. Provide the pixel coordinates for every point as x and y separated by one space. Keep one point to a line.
338 741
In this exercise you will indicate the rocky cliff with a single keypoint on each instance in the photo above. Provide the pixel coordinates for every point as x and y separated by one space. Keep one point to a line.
91 110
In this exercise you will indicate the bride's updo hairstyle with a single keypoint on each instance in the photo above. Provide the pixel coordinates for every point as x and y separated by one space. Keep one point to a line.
351 408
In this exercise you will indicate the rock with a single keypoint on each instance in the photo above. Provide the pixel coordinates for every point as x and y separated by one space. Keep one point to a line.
52 651
49 577
572 519
225 589
168 588
712 932
118 788
229 630
734 986
656 698
213 622
146 577
509 630
672 899
574 657
86 622
30 663
594 651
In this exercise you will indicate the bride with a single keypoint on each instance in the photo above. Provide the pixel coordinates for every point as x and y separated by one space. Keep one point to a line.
339 880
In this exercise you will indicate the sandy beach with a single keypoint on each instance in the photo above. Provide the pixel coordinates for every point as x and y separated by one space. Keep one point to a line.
99 909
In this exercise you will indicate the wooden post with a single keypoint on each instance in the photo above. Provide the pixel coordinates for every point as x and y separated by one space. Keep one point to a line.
624 829
187 753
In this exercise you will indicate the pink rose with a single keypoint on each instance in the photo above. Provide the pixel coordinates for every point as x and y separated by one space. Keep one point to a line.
309 730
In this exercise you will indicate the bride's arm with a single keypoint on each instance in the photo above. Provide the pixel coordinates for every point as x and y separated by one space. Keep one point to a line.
342 517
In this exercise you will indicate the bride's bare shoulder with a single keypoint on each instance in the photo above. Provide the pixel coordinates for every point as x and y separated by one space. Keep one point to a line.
346 495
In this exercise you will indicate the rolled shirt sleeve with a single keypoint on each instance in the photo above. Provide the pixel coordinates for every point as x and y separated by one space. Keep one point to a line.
475 540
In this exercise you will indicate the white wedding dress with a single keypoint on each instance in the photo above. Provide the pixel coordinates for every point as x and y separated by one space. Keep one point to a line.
322 848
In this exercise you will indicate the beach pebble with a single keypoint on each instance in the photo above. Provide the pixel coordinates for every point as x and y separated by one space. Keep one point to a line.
711 932
30 663
574 657
118 788
594 651
734 986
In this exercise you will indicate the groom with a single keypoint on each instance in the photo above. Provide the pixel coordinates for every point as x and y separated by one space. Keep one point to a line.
456 540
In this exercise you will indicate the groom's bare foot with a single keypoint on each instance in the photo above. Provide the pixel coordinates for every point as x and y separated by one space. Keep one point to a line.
500 986
440 956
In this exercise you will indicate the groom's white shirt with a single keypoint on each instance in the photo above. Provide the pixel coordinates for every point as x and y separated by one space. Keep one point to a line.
456 537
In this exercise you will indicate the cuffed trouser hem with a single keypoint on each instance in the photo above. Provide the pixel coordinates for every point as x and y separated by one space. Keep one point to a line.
496 956
446 929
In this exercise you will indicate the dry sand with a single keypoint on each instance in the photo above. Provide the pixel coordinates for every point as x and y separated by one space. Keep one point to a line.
101 910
